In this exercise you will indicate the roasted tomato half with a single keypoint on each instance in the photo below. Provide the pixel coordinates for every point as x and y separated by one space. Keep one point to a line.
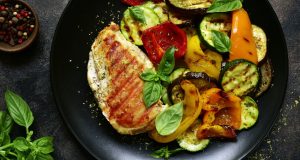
159 38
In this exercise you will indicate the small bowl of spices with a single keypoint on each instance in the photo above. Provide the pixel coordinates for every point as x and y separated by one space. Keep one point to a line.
18 25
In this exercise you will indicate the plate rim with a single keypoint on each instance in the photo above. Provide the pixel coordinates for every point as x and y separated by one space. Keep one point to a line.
250 150
52 83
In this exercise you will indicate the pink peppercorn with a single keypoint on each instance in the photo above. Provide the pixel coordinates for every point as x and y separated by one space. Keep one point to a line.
20 40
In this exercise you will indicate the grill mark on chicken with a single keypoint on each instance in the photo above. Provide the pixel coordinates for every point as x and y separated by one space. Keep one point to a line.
113 53
128 107
121 93
121 70
135 92
124 82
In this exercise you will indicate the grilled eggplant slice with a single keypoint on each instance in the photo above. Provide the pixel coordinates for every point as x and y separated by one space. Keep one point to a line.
260 39
200 79
190 7
266 70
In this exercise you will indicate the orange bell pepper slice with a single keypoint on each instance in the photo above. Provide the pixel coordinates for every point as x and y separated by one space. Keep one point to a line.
215 99
216 131
222 108
242 41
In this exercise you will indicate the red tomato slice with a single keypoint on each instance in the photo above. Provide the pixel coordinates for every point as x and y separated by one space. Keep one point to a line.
133 2
159 38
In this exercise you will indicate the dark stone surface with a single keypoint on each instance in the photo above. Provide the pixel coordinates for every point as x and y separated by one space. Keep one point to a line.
28 74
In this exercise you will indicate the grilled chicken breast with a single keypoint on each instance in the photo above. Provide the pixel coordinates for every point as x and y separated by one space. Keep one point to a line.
113 74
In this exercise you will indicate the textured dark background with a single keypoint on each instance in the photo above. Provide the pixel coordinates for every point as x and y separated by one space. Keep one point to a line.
28 74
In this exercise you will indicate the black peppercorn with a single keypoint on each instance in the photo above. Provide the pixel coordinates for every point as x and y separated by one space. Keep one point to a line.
3 13
2 19
16 22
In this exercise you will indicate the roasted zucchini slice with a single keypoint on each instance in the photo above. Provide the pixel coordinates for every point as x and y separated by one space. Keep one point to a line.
160 9
132 28
240 77
216 21
165 97
177 73
249 114
190 142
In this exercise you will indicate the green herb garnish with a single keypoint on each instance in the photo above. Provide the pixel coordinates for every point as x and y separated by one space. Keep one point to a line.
152 90
137 14
224 6
169 120
221 41
165 153
22 148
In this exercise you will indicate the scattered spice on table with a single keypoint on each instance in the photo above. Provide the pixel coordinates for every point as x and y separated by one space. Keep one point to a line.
16 22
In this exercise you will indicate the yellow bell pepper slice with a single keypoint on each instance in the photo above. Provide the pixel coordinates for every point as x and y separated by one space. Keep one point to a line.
208 62
193 105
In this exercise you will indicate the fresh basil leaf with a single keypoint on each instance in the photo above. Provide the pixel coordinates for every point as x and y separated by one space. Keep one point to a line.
167 62
41 156
224 6
165 153
4 138
2 154
169 120
44 145
164 78
151 92
138 14
21 144
221 41
149 75
21 155
6 122
32 155
18 109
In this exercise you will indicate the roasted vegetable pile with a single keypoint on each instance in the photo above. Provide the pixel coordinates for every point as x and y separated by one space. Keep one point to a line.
211 66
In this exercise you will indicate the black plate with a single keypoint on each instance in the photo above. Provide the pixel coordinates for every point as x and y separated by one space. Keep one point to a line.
74 35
